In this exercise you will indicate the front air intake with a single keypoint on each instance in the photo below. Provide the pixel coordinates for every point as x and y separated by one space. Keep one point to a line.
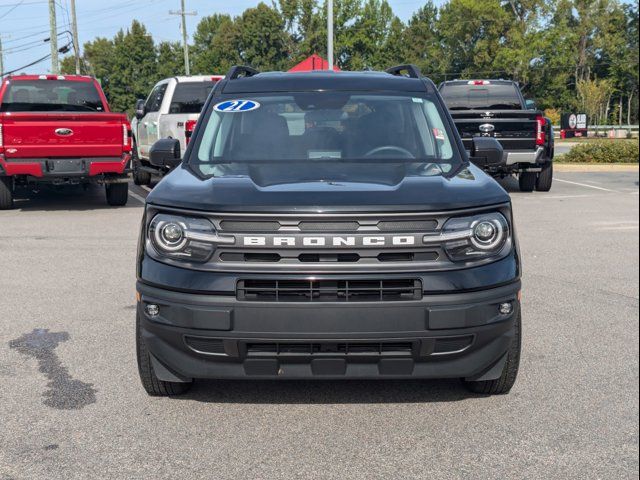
329 290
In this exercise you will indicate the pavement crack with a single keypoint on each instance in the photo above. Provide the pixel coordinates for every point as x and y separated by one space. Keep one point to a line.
64 392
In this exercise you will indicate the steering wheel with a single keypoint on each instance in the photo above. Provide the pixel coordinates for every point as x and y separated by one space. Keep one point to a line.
390 148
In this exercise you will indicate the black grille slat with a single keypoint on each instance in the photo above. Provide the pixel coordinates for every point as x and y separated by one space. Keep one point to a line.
328 226
407 225
282 349
329 290
239 226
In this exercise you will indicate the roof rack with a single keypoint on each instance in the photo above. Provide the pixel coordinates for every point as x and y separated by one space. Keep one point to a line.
241 72
411 71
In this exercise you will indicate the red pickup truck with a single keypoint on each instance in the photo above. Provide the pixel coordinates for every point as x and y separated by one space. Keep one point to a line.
59 130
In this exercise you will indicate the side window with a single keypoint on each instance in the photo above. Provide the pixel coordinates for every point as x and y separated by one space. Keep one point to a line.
154 102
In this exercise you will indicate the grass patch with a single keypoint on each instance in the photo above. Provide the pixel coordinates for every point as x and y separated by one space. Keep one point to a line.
605 152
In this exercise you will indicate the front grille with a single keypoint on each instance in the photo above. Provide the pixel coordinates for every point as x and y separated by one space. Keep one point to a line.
329 290
319 349
327 226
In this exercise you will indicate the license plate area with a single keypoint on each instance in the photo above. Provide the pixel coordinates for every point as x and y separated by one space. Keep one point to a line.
66 166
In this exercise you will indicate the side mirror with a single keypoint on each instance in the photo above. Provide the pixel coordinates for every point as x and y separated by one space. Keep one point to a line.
165 153
486 152
141 111
530 104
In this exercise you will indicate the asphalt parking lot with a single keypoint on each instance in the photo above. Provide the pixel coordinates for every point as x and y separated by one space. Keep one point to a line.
71 405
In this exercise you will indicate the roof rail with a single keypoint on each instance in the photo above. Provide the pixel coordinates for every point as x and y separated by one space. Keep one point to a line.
411 71
241 72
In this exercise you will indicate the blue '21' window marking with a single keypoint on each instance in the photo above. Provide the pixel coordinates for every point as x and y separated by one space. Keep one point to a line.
234 106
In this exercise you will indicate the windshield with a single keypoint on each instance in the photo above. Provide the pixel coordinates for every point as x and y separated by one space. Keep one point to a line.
189 97
51 96
325 127
481 97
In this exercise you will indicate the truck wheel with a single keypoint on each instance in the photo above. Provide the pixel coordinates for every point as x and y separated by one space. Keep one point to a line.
117 194
141 177
6 193
545 178
503 384
527 181
151 383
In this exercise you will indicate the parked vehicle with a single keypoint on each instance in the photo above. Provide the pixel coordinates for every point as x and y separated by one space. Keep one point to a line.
171 111
497 109
328 225
59 130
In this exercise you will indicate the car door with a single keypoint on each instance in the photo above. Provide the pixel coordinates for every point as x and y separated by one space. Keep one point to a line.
148 126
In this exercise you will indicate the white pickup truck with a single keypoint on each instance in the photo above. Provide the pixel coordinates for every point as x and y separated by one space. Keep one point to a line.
170 111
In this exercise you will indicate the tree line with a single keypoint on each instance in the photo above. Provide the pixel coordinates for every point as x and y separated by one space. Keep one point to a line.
568 55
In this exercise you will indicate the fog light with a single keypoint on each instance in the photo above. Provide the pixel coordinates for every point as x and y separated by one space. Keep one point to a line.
152 310
506 308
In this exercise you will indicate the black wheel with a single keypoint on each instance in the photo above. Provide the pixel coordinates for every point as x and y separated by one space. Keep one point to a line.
117 194
6 193
140 177
527 181
545 178
151 383
503 384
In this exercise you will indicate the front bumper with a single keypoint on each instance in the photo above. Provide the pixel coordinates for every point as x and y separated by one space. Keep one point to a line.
448 335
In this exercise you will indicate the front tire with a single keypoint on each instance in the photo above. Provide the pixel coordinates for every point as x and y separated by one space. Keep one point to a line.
545 178
6 193
151 383
117 194
527 181
507 379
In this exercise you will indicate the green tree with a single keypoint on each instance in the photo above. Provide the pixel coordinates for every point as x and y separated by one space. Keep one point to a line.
170 59
135 67
215 45
472 33
421 42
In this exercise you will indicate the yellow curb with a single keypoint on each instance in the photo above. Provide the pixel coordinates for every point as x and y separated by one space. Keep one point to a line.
595 167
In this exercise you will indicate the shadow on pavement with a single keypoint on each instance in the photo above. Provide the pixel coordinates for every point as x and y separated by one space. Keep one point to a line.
65 198
322 392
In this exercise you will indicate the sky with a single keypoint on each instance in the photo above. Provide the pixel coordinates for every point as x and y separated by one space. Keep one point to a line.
24 24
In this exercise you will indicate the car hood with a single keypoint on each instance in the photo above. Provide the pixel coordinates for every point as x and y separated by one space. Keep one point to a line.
280 189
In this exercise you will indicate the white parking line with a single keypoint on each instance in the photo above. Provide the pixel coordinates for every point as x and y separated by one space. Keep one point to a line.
148 189
585 185
137 197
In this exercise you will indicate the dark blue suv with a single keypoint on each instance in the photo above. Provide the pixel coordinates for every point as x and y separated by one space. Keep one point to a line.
327 225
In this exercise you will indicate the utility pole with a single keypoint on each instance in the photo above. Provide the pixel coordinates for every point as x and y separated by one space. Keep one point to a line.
2 55
183 13
55 68
74 32
330 34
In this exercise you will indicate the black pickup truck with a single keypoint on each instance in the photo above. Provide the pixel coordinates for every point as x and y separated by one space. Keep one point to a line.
497 108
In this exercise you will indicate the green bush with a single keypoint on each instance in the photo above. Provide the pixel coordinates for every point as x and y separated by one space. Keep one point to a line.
613 151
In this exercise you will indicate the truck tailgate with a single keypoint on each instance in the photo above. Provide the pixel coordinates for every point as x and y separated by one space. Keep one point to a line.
62 135
514 129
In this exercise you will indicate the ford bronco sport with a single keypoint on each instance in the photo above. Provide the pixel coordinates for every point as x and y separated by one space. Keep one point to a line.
327 225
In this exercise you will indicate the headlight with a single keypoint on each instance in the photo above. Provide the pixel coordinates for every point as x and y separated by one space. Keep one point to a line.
184 238
477 237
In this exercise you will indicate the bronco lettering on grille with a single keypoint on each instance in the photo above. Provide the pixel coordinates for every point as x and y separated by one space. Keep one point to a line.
330 241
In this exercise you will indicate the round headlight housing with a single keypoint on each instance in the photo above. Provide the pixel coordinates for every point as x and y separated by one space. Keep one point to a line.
181 237
477 237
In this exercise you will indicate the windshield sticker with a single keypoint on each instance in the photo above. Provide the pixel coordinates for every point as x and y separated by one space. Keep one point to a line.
236 106
439 134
